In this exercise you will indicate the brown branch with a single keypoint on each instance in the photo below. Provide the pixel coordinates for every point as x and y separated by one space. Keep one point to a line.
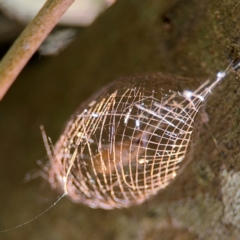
29 41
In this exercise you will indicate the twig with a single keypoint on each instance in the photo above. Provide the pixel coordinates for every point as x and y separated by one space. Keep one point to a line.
29 41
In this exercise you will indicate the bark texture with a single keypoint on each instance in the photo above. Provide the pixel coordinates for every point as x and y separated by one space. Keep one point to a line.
189 38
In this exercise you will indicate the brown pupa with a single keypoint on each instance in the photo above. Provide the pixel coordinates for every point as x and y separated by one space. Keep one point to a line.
129 140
